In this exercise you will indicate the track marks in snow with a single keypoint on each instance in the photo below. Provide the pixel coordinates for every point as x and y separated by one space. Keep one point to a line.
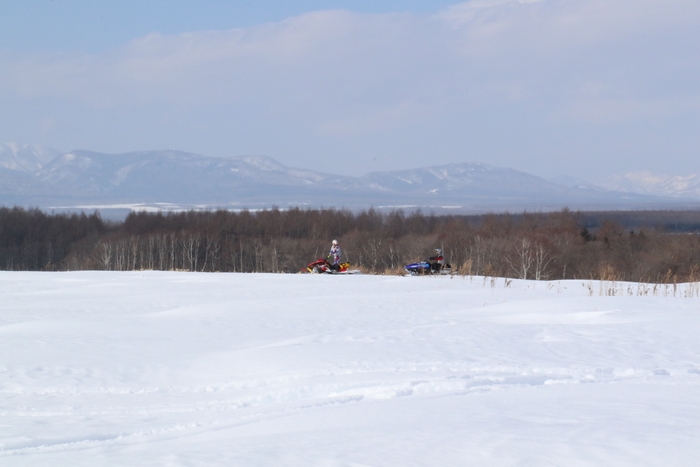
158 414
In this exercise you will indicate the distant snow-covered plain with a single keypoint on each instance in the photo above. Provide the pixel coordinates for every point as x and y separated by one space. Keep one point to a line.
187 369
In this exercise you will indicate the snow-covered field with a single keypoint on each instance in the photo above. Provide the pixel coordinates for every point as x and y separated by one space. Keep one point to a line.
180 369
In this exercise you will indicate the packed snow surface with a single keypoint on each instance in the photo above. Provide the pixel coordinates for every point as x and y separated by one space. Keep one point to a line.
187 369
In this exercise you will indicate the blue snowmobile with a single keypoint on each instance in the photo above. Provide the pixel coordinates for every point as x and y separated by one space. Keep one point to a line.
433 265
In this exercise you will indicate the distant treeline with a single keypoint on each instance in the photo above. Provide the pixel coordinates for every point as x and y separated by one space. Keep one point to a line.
643 246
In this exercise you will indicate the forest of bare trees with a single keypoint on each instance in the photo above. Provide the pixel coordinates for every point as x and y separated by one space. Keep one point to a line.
660 247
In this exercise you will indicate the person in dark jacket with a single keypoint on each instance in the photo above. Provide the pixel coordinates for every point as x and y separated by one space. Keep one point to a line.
436 261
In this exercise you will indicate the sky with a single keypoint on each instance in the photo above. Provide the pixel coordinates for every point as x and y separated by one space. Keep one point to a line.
585 88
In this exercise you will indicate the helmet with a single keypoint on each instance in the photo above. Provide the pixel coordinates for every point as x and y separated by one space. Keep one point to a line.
334 242
438 251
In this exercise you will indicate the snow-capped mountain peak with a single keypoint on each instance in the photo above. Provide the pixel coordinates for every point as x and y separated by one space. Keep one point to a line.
645 182
25 157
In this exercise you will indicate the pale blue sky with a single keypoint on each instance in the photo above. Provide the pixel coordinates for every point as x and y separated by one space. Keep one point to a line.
587 88
91 25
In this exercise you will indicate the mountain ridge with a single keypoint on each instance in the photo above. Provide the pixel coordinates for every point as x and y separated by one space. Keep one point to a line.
82 177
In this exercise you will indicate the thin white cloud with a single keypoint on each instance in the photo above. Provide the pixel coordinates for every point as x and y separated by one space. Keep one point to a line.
462 13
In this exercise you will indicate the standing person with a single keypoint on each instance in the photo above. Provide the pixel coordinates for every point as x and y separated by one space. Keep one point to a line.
436 261
335 254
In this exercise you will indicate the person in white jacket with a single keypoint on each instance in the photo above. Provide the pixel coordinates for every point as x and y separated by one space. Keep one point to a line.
335 254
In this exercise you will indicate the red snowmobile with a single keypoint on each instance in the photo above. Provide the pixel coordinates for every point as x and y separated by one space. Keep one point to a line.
321 265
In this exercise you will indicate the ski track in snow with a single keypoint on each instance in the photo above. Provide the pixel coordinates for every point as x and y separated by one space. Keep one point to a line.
153 368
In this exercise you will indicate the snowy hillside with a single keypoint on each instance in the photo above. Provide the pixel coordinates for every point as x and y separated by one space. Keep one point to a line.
472 179
25 157
187 369
675 186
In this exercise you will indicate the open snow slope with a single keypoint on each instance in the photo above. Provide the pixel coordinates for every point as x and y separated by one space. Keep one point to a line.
180 369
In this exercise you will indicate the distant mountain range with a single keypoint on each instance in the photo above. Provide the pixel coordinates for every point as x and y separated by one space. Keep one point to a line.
36 176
